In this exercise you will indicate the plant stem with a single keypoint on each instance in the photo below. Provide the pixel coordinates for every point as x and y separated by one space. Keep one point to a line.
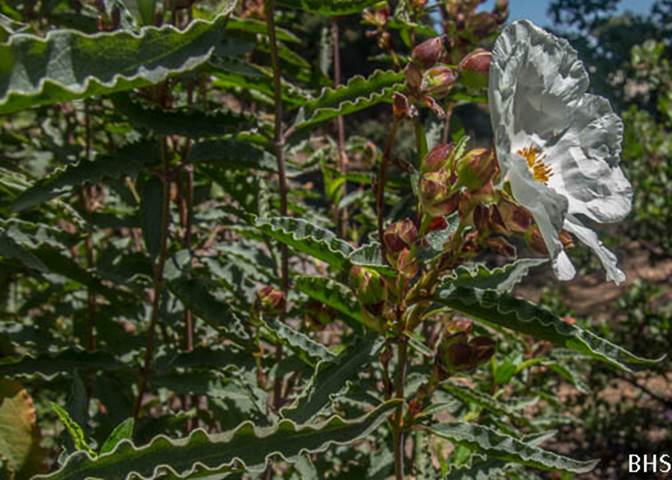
446 123
158 282
85 198
342 215
402 359
269 7
380 188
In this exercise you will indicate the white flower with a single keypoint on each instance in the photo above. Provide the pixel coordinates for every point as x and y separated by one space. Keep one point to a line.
557 145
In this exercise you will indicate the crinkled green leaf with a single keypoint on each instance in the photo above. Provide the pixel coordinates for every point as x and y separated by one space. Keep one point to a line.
49 365
331 379
359 93
304 346
196 294
500 446
504 310
75 431
67 64
127 161
332 294
123 431
470 395
502 279
308 238
245 447
330 7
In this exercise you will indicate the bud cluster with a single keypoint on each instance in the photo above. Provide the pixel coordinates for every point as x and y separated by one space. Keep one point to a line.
459 351
271 301
399 239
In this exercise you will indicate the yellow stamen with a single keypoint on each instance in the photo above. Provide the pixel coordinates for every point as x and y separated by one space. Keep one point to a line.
535 161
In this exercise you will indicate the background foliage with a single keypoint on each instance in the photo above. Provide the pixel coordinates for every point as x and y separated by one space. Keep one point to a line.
189 251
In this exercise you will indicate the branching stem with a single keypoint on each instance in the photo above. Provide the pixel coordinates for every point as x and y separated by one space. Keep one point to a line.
380 188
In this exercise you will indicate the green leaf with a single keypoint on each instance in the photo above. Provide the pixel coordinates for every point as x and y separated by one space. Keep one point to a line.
151 214
19 433
469 395
231 154
246 447
504 310
9 248
184 122
123 431
196 294
75 431
359 93
127 161
330 380
67 64
332 294
304 346
330 7
501 279
308 238
504 447
49 365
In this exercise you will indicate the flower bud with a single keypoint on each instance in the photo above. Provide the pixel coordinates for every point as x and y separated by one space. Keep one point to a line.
435 194
477 62
483 348
438 81
566 239
536 241
514 217
271 301
458 325
437 223
476 168
401 108
400 235
406 264
438 157
368 285
501 246
413 75
428 52
483 23
433 105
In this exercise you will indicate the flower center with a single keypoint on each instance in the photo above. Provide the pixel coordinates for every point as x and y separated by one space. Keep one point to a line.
536 163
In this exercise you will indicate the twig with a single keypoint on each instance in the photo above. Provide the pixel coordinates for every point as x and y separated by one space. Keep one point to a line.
402 359
269 6
341 215
380 188
158 282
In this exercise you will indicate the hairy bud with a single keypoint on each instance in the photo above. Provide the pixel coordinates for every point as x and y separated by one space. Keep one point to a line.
270 300
406 264
477 62
368 285
514 217
476 168
435 194
400 235
428 52
413 75
401 107
438 157
438 81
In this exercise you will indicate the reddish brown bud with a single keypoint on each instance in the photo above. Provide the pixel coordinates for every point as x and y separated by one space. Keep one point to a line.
406 264
483 23
438 157
566 239
483 348
401 108
536 241
435 194
428 52
458 325
438 81
515 218
477 62
271 300
437 223
501 246
433 105
368 285
400 235
476 168
413 75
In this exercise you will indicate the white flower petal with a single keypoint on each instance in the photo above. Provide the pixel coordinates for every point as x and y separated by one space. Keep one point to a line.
590 239
546 206
585 163
563 268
